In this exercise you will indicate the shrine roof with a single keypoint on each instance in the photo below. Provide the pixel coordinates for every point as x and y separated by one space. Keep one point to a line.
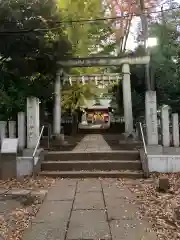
98 106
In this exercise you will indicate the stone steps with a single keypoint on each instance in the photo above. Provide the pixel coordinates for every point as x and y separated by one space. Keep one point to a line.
104 165
86 164
93 174
92 156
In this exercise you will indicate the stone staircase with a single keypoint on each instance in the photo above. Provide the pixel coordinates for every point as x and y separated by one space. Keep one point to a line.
104 164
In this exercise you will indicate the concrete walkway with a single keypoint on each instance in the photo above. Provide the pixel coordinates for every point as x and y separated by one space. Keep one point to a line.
89 209
92 143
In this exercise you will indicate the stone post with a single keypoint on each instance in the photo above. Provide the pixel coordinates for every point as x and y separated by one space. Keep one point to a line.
12 129
165 126
83 118
175 129
151 118
21 130
32 122
57 105
3 126
128 116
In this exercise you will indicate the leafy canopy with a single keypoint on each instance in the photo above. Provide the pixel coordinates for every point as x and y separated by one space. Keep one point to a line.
74 97
31 41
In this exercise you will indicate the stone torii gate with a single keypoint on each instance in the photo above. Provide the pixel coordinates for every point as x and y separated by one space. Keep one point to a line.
100 61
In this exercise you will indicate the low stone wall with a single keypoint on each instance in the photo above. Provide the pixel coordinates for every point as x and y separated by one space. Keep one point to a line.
164 163
13 166
25 166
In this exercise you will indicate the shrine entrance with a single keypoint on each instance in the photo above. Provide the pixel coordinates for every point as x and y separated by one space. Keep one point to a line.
97 111
98 115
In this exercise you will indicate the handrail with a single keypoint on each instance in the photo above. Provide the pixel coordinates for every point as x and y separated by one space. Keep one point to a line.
142 135
35 150
144 156
49 133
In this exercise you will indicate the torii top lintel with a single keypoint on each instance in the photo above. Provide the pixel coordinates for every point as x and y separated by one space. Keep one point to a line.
103 61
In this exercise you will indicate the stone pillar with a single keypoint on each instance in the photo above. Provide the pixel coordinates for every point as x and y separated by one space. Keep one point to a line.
57 105
21 130
151 118
175 129
12 129
3 126
128 116
32 122
165 126
83 118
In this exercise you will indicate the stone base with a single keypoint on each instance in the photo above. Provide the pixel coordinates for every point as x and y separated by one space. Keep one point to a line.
59 137
163 159
25 166
25 162
8 166
131 136
171 150
154 149
59 140
158 149
164 163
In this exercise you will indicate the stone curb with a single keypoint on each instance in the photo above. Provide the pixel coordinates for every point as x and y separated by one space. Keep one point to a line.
41 193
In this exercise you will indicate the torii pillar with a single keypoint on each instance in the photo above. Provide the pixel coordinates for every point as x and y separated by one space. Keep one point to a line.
128 116
57 106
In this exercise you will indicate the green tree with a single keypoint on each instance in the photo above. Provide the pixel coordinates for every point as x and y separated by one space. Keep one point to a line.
165 62
85 37
31 41
74 97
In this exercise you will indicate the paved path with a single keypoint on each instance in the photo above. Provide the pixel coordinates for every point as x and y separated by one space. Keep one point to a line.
92 142
88 209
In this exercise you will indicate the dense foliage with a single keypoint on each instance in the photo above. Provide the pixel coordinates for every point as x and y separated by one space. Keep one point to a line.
74 97
33 38
31 41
